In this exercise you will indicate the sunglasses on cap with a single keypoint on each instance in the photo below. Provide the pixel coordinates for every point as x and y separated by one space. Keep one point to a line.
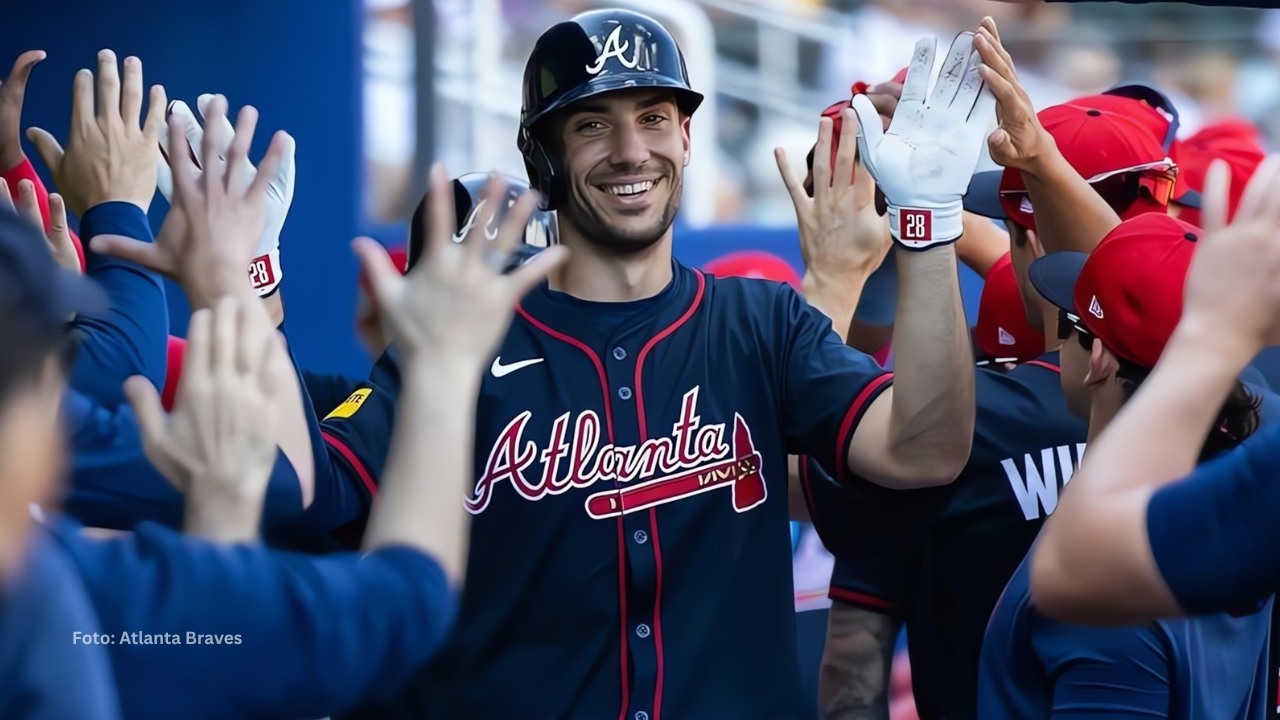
1121 188
1069 323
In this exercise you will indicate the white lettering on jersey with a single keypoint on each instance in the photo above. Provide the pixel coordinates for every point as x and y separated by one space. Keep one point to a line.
1036 485
693 459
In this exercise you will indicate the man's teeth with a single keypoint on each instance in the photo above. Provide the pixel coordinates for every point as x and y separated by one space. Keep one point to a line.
632 189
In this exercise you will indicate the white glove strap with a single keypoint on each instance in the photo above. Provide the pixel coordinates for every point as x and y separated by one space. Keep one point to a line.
916 228
265 273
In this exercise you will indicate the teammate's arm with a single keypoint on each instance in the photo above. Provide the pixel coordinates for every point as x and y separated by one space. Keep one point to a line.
1070 215
853 683
1106 555
1104 672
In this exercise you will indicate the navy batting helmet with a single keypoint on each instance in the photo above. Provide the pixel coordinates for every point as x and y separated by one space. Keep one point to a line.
468 196
594 52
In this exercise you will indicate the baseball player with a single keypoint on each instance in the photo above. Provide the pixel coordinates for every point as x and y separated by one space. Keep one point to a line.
629 547
1118 308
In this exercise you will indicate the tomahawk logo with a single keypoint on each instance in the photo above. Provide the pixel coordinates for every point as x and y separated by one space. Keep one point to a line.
692 460
1035 481
614 47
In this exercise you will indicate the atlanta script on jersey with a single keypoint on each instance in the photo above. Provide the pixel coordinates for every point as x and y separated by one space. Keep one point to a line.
630 552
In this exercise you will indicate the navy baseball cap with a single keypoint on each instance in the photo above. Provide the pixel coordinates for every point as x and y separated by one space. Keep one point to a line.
36 296
1054 277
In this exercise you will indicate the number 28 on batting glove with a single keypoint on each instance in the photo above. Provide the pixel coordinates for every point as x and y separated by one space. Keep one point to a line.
924 161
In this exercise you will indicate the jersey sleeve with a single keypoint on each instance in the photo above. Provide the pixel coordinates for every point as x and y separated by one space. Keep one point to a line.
1208 531
113 485
1104 672
827 386
875 536
260 633
132 337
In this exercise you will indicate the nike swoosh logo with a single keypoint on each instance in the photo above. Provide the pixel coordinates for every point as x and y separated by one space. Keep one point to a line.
500 370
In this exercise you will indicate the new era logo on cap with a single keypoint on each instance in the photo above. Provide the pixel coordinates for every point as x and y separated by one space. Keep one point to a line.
1095 309
1004 337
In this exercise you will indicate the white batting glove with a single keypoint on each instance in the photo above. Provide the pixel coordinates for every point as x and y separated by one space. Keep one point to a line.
265 271
923 163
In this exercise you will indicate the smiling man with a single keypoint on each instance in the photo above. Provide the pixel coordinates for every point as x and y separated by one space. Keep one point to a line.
629 552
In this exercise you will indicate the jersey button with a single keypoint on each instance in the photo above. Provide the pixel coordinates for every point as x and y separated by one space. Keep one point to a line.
619 354
641 537
641 715
624 393
642 630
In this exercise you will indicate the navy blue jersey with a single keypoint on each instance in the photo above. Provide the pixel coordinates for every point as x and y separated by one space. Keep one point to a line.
1033 668
939 558
630 551
51 668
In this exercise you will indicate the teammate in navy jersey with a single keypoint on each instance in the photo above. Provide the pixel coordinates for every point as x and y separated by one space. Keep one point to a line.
1118 307
629 547
936 560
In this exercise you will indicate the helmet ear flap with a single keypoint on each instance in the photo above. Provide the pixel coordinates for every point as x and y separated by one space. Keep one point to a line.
540 168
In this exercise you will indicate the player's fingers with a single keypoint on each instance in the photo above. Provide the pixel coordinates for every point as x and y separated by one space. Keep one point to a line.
48 148
6 199
146 254
993 57
155 121
511 232
278 153
527 276
822 157
440 215
381 271
181 162
916 85
870 131
1264 178
28 205
848 149
797 193
152 424
239 174
82 101
1213 213
21 71
131 92
202 104
196 355
108 87
213 161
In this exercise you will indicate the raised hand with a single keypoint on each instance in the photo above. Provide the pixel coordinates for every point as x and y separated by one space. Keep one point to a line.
59 236
1231 291
217 446
1020 139
265 270
12 91
924 161
218 212
456 304
109 156
841 235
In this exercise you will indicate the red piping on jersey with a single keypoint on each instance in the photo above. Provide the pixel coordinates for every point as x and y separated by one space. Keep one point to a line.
1043 364
857 598
845 436
621 541
653 511
365 476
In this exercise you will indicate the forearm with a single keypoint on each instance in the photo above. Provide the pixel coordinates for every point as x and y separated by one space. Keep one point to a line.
435 427
295 434
1070 215
132 337
836 297
982 244
856 662
932 412
216 512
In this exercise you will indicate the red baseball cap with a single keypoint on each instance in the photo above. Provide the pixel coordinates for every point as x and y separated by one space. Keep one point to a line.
753 264
1128 291
1238 142
1119 157
1151 108
1002 332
